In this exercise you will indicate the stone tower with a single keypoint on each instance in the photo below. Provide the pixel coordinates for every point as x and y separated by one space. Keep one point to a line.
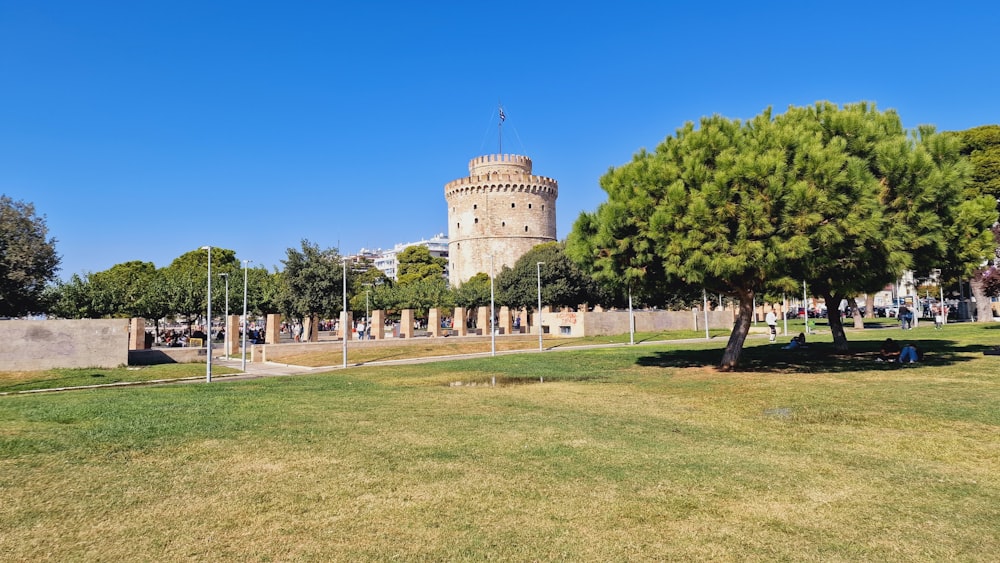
500 209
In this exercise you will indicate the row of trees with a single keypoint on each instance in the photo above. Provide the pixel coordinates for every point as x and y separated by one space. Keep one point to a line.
843 197
312 283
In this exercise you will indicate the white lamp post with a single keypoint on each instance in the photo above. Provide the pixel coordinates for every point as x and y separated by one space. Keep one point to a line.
538 270
244 349
493 329
344 328
631 318
208 320
225 323
784 300
704 298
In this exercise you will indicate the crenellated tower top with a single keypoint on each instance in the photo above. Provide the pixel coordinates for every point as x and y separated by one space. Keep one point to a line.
500 163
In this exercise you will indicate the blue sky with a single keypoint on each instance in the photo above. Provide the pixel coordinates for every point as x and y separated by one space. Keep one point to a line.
143 130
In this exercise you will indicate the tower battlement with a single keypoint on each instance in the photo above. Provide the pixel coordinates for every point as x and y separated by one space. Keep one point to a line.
491 163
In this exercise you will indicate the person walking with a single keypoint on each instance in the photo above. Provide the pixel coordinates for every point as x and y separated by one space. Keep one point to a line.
772 324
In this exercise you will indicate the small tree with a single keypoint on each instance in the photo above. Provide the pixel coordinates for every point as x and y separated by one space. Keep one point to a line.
185 281
416 263
563 283
313 280
474 293
28 259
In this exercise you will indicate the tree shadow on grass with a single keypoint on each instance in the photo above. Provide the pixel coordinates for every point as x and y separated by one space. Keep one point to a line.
57 381
819 357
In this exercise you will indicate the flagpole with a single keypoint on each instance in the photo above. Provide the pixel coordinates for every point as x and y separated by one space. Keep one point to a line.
500 125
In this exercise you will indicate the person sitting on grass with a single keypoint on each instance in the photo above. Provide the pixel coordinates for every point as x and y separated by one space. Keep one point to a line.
889 351
797 342
909 354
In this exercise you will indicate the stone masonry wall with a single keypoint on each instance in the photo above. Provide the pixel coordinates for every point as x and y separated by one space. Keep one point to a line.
500 209
85 343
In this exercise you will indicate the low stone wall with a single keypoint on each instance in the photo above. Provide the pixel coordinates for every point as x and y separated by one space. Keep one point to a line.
84 343
155 356
605 323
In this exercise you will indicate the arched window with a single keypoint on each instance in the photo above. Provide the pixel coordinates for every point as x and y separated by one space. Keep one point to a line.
525 228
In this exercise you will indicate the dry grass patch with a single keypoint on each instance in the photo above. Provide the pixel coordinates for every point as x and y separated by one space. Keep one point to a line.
615 457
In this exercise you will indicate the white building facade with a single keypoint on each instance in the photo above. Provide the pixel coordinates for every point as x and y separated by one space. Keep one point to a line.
389 264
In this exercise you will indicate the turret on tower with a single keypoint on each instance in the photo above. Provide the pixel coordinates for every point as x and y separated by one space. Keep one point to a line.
500 209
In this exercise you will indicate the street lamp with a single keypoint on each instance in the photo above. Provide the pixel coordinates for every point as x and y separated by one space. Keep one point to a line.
344 328
631 318
493 329
538 270
244 349
208 363
704 298
225 323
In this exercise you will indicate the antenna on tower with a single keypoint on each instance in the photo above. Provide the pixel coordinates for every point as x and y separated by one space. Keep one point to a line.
503 116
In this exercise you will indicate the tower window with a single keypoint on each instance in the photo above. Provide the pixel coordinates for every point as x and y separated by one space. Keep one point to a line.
543 207
477 220
525 228
529 206
503 223
512 205
458 225
474 206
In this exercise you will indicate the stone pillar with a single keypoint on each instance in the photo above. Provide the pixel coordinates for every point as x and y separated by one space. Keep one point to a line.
483 321
506 323
434 321
458 321
538 321
378 324
346 324
310 332
137 334
406 323
233 330
272 329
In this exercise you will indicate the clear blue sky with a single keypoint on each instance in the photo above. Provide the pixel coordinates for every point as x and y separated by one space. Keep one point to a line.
145 129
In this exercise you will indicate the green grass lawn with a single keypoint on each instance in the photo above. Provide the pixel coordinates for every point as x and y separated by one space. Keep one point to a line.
16 381
627 453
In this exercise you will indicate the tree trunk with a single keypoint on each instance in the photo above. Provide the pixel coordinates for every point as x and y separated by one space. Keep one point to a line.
984 309
859 321
836 324
869 307
734 348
